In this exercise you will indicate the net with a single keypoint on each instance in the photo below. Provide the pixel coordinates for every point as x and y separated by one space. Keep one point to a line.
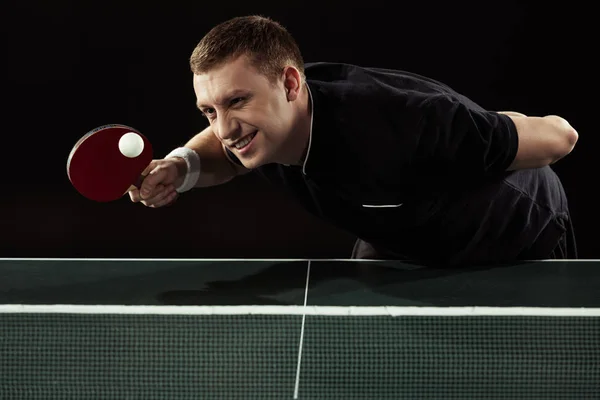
285 352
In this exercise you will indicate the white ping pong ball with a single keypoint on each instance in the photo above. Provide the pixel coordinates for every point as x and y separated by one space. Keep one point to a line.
131 145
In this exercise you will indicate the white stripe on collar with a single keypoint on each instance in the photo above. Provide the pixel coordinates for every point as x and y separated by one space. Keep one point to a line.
312 108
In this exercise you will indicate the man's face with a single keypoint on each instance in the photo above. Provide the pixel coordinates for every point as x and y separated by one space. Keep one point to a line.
248 113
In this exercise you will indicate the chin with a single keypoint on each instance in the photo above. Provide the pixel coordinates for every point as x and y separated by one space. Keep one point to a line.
254 161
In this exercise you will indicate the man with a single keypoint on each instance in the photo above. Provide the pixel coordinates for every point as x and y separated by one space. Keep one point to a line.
412 168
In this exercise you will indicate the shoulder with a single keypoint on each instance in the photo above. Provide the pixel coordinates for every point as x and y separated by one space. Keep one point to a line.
380 90
376 78
327 71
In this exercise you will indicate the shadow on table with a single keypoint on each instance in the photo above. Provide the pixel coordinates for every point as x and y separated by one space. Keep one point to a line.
392 283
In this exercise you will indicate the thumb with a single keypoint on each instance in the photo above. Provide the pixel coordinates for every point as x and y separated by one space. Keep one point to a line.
155 177
150 167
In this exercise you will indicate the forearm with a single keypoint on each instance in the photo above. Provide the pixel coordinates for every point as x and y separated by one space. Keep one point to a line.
542 141
216 169
567 135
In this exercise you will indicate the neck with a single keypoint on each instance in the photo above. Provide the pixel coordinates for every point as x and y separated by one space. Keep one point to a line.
299 140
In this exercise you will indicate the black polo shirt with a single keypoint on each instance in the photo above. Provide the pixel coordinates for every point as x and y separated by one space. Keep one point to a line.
417 169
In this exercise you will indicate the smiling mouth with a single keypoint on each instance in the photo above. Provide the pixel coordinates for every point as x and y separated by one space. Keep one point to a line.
245 141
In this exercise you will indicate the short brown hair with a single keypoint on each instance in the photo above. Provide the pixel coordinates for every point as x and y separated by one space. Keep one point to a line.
267 44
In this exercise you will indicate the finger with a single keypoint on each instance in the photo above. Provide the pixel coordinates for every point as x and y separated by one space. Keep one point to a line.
138 185
150 167
153 196
152 180
157 194
167 200
134 195
161 196
160 192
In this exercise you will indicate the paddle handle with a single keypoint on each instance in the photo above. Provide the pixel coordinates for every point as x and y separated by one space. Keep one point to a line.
137 184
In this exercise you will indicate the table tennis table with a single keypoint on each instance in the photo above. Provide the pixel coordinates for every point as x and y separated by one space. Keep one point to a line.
297 329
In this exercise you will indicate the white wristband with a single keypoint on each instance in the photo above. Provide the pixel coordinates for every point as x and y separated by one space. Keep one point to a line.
192 160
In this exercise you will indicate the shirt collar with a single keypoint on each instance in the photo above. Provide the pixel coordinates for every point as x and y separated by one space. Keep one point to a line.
325 130
312 118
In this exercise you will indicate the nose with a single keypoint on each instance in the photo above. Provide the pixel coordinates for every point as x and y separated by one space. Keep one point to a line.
227 128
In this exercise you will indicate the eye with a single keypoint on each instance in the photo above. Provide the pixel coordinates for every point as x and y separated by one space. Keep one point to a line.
237 100
208 112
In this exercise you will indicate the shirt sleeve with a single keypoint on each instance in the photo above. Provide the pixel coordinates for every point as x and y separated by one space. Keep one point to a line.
458 137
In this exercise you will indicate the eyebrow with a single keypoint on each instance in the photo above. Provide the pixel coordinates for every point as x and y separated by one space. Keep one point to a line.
226 99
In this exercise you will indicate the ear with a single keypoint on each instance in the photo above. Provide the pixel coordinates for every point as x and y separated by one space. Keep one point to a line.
292 82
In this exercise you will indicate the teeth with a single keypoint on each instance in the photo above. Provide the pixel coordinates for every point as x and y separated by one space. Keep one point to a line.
244 142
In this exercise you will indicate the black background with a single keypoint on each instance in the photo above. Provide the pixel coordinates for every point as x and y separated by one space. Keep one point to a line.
71 66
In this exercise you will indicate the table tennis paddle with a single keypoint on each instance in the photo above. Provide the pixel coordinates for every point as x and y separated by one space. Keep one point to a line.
107 161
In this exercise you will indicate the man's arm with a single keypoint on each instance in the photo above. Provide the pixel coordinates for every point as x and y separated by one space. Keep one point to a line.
216 168
164 176
542 140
